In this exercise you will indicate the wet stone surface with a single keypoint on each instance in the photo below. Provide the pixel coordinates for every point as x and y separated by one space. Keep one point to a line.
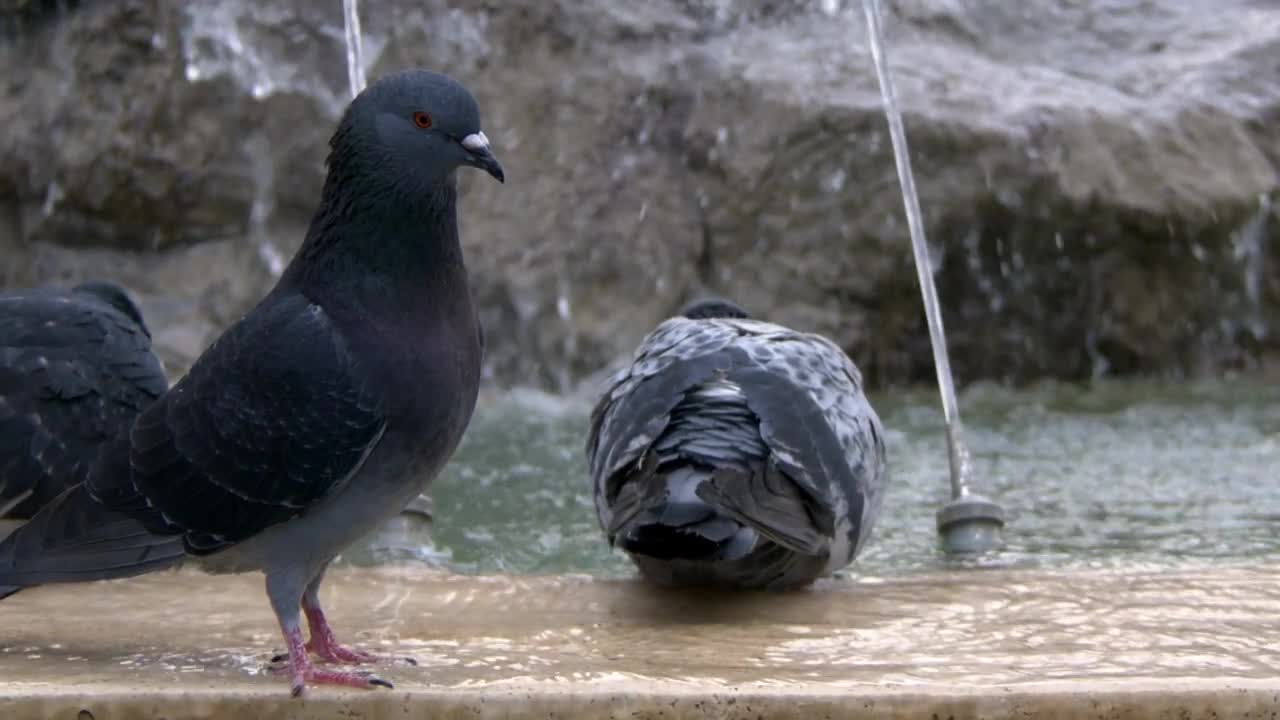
957 639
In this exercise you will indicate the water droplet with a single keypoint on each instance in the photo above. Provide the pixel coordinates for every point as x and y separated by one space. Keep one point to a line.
834 182
53 194
271 257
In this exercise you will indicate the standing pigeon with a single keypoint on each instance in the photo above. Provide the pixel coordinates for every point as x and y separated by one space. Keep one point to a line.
320 413
76 368
736 453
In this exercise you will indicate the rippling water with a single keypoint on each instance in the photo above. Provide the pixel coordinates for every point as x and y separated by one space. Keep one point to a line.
1132 478
1111 475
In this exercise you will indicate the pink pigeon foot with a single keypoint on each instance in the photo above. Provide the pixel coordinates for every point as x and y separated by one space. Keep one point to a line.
325 645
302 672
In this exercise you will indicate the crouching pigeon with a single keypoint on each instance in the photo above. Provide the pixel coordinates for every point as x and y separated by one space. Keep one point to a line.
76 368
736 453
320 413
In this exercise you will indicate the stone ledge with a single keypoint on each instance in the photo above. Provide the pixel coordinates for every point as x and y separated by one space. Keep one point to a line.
1145 643
640 699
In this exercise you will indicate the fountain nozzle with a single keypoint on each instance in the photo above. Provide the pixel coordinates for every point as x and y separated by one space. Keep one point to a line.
970 525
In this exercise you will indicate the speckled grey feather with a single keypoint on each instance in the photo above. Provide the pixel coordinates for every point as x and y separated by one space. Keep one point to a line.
728 395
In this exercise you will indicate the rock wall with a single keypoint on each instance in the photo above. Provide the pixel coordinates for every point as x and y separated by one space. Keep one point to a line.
1097 178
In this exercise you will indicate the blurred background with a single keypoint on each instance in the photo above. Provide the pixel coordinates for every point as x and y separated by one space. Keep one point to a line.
1098 177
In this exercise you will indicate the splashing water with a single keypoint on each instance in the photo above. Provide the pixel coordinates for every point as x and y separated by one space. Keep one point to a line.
227 39
355 56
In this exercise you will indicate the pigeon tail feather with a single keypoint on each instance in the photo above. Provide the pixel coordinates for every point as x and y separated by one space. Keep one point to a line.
75 538
680 525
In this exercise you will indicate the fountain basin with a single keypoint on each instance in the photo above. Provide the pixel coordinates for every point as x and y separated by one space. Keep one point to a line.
1153 643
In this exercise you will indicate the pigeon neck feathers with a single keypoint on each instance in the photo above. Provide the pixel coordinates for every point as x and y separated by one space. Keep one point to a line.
374 234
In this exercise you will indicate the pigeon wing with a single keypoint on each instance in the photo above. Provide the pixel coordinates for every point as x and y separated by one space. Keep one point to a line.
73 374
817 422
273 417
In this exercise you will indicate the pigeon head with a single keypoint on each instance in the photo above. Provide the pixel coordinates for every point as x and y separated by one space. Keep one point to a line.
416 126
116 297
713 307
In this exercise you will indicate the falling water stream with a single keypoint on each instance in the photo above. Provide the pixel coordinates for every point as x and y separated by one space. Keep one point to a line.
957 450
355 52
970 524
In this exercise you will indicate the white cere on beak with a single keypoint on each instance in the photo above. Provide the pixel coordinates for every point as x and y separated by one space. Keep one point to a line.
475 142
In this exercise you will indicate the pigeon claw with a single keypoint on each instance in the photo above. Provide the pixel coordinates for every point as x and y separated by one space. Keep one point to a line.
301 671
340 654
317 676
360 657
332 652
325 646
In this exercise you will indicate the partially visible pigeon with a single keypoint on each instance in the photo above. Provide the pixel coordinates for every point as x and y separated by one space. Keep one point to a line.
320 413
76 368
736 453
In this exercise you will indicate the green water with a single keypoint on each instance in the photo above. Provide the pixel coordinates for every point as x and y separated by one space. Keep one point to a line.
1116 474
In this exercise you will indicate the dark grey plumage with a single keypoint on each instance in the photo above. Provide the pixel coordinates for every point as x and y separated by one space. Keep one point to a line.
713 307
76 368
325 409
737 453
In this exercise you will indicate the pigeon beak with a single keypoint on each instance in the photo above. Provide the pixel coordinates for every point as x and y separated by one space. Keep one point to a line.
479 155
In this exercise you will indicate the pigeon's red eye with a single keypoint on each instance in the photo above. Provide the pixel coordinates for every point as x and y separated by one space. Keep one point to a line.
422 120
